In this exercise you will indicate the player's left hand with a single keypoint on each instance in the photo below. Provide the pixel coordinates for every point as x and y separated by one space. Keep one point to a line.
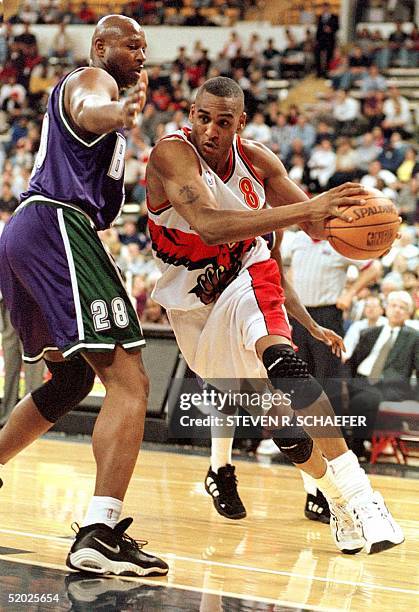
329 337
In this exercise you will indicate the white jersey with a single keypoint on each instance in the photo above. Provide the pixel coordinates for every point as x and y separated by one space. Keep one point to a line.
194 274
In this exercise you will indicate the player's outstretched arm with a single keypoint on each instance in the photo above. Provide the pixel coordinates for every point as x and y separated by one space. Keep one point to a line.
92 101
281 190
175 166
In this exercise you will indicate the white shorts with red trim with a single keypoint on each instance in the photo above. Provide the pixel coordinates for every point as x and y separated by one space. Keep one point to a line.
218 340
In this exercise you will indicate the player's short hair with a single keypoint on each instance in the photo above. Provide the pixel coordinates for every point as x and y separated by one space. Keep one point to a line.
222 87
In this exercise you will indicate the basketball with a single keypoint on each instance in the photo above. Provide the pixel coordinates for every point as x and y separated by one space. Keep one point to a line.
372 231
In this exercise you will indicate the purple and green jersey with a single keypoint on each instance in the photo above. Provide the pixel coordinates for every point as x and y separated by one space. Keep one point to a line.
60 285
85 172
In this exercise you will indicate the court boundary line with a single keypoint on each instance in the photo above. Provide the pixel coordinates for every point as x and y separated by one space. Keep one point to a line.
376 587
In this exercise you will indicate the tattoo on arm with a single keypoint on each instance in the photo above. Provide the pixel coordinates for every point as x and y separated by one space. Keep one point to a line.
188 194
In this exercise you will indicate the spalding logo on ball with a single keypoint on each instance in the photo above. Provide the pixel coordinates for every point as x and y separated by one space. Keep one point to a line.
373 229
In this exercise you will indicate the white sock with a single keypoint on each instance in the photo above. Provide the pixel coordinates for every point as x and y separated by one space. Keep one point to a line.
310 485
328 487
221 449
349 476
103 510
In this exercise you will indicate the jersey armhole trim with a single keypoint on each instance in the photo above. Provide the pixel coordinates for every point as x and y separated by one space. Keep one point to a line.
65 121
247 162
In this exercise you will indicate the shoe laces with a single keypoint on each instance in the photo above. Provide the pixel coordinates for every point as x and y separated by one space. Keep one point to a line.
132 543
370 509
120 532
342 516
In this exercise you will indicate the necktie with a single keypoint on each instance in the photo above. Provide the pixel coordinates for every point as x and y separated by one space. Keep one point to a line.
381 359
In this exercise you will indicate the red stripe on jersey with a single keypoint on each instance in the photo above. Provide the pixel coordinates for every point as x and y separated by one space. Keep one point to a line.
266 284
247 161
158 209
176 247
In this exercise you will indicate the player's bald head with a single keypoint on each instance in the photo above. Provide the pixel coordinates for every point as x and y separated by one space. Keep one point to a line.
112 28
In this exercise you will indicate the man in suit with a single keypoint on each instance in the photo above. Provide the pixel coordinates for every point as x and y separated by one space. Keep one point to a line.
327 26
382 365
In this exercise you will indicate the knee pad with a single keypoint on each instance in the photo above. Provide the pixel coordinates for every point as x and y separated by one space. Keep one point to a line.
70 383
295 443
288 373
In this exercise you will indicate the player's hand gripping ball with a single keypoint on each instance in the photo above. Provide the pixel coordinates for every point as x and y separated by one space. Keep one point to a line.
371 233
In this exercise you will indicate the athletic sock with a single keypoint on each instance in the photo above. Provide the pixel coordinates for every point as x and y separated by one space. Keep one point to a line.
221 449
328 486
103 510
310 485
349 477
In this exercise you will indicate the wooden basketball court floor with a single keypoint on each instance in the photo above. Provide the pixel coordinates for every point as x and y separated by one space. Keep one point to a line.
273 560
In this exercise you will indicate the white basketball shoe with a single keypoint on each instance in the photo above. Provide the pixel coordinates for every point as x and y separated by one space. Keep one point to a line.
345 533
374 521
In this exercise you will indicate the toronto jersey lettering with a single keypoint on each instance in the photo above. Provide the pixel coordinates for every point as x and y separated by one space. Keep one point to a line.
70 169
194 274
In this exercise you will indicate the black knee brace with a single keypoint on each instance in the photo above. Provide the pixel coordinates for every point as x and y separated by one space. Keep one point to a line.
295 443
289 373
70 383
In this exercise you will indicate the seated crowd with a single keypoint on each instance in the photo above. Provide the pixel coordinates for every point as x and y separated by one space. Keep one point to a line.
339 137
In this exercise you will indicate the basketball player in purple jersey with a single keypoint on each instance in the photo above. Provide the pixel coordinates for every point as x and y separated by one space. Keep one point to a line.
65 295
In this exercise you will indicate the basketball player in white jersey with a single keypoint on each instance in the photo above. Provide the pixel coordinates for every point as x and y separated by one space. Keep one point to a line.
206 197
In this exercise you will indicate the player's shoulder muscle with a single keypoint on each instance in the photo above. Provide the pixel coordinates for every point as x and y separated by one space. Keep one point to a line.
92 80
263 159
173 158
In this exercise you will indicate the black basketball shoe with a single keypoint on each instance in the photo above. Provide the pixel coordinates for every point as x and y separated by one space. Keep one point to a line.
99 549
317 508
222 486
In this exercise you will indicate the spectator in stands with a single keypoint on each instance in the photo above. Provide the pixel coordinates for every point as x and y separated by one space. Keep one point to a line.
358 64
409 166
154 313
324 130
373 109
8 202
139 293
346 167
412 45
375 172
133 173
62 46
397 47
393 152
305 131
382 365
182 60
296 148
366 151
379 53
408 201
346 113
327 27
178 121
28 14
338 66
233 45
130 234
271 58
397 115
373 81
322 163
297 169
86 14
372 316
257 129
281 136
